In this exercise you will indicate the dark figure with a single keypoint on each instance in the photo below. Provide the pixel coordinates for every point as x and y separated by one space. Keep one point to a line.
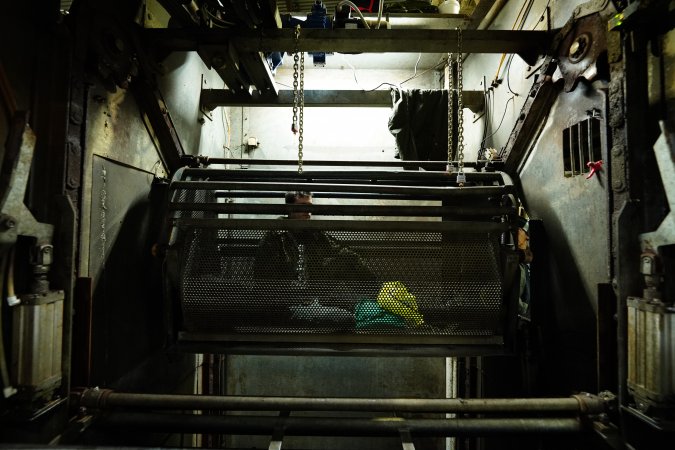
306 254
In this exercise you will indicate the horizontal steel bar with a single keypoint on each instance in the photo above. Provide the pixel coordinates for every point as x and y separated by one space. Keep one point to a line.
294 162
333 195
363 339
333 426
448 191
344 210
212 98
344 225
103 399
399 178
355 41
366 349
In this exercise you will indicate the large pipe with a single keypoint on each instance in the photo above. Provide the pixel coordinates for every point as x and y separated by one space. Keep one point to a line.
105 398
333 426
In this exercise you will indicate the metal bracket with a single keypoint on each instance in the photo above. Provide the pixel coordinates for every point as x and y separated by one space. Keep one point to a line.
206 112
406 439
278 435
664 149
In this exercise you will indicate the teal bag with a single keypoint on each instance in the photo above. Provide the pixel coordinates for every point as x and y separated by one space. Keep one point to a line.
369 314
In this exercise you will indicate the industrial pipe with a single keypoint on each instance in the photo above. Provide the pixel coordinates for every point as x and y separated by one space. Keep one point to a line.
105 398
333 426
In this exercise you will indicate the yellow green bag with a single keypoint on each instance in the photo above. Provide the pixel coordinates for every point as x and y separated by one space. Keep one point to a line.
395 298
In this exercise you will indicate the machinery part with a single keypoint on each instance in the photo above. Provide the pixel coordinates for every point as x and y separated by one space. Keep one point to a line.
113 52
579 51
541 97
37 333
325 289
108 399
15 218
317 18
312 426
665 233
650 268
651 352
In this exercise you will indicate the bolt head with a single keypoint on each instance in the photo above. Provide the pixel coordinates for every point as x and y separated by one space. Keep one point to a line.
9 223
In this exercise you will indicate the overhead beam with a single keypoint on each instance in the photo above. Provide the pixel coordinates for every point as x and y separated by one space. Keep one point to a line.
358 40
213 98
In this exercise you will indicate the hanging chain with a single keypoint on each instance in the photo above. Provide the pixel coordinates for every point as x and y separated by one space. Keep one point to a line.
461 178
298 94
450 112
296 58
302 106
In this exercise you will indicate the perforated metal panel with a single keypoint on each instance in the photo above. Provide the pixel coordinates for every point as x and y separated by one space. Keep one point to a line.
340 282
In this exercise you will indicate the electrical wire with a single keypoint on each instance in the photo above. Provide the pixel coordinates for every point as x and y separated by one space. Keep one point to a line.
508 75
225 119
419 56
383 84
443 62
379 14
215 20
4 373
506 106
353 69
541 17
355 8
522 16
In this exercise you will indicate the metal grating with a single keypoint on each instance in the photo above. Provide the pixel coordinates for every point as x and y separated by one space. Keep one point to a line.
340 282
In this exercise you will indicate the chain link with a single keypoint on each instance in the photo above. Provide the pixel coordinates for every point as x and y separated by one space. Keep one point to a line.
460 105
450 111
296 58
302 107
298 95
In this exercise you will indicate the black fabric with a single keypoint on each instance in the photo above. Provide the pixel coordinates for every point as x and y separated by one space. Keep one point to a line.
278 257
419 122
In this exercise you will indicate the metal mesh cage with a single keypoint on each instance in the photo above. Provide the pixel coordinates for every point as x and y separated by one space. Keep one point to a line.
290 281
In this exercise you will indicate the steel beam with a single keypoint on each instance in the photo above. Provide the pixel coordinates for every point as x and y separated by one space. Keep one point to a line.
213 98
347 225
293 162
405 177
356 41
446 191
345 210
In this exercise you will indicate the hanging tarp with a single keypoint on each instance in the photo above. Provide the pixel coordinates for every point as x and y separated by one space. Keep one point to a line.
419 122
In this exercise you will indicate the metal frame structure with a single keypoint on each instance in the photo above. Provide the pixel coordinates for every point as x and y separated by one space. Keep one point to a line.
481 189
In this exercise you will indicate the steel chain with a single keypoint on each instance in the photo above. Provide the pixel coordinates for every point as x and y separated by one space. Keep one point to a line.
301 101
296 58
450 111
460 106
